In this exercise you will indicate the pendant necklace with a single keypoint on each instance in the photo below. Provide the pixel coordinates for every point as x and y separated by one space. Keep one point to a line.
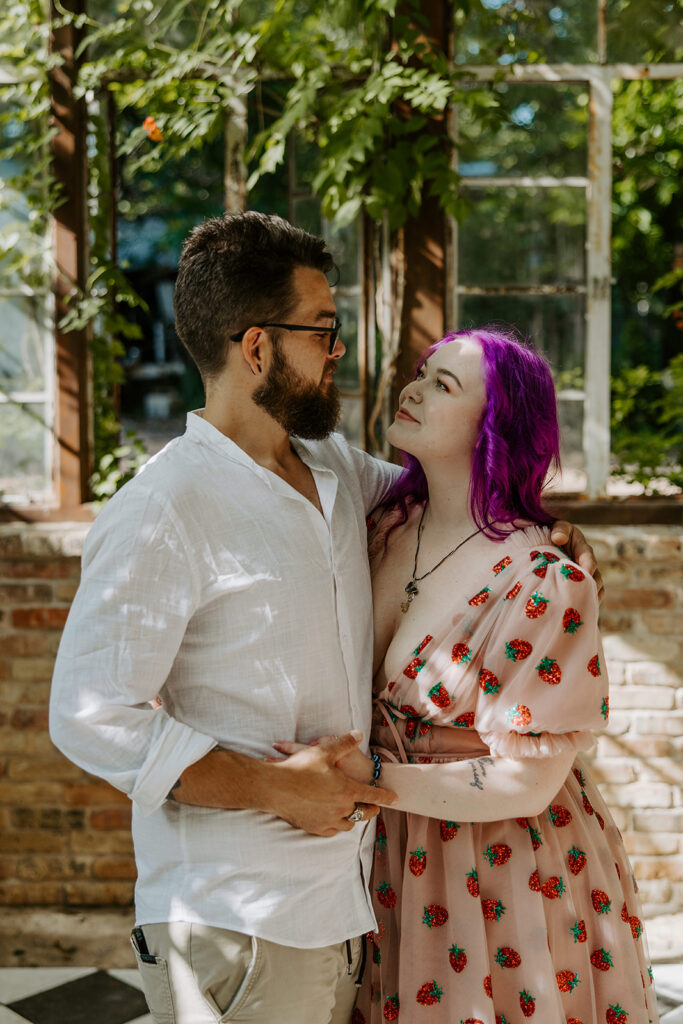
411 586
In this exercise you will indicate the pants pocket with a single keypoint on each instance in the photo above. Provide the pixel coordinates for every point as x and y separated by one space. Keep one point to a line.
156 988
226 966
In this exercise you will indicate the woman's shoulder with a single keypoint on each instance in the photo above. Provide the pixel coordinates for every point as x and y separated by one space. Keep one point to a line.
387 524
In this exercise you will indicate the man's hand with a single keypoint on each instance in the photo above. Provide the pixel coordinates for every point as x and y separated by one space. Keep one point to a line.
572 539
312 793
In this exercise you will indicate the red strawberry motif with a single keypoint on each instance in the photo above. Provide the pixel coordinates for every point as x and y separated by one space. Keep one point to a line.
515 590
391 1008
574 1020
434 915
429 993
501 1019
417 862
487 986
497 854
464 721
636 927
576 858
386 895
594 666
492 910
448 830
518 650
439 695
579 776
571 620
602 904
480 598
624 914
570 572
547 558
578 930
604 708
488 681
615 1014
415 666
534 881
381 834
536 606
518 715
567 980
460 654
472 1020
420 648
457 957
527 1003
601 959
553 888
587 805
503 564
559 815
472 882
507 957
549 671
534 833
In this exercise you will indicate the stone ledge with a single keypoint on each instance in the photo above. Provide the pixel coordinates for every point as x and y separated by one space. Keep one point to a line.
57 938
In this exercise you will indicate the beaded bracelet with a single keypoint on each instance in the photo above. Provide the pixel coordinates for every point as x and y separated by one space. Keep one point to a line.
377 769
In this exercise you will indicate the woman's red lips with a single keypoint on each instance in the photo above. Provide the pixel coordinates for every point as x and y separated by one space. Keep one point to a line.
405 415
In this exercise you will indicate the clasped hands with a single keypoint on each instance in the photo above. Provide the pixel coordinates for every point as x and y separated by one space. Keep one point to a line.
326 781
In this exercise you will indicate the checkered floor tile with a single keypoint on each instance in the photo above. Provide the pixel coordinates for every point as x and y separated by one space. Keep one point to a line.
71 995
84 995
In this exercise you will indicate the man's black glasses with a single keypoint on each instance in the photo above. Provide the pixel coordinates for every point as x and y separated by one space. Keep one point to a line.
333 331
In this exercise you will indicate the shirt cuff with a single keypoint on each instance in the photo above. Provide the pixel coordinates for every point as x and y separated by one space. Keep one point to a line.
177 748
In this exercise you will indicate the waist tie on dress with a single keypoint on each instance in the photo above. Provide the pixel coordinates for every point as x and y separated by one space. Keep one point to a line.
390 756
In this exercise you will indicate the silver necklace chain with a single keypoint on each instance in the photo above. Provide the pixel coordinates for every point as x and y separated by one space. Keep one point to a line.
411 588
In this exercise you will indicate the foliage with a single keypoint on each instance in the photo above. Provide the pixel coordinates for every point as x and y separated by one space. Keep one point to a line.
647 424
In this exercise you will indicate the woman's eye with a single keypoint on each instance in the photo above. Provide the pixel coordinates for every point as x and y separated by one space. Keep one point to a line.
419 375
440 384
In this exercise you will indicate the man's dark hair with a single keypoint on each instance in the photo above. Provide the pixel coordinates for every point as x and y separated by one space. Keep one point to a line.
236 271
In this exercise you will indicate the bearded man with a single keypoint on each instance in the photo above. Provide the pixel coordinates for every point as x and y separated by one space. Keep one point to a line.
225 604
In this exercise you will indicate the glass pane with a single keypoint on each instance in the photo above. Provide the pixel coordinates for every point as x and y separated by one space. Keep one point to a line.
22 344
644 31
23 460
523 236
344 244
503 31
348 373
555 323
532 130
351 424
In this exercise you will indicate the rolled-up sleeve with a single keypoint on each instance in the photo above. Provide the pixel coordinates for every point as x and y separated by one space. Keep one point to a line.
137 594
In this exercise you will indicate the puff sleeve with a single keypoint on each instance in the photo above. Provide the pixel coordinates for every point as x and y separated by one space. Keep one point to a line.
542 680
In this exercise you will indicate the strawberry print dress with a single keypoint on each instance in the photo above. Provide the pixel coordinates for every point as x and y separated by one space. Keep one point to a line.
526 919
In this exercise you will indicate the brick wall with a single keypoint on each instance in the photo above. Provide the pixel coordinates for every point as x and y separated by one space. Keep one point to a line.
64 839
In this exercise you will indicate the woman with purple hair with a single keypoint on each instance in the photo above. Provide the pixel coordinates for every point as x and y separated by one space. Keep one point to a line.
501 886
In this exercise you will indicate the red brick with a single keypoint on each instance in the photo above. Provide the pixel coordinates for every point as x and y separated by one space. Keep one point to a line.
95 794
93 894
30 718
105 843
21 694
30 894
8 867
38 569
13 794
33 842
14 741
33 644
638 598
664 623
36 769
114 867
33 669
112 818
25 593
52 818
39 618
41 867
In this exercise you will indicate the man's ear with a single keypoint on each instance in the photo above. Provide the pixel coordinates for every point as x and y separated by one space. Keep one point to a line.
255 349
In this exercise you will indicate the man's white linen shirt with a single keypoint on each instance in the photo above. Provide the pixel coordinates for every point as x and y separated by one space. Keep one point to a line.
217 606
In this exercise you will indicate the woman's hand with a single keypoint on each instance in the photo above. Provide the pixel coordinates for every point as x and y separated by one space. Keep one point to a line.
355 764
579 550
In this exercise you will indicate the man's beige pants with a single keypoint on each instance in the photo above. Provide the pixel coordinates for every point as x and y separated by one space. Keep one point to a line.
205 975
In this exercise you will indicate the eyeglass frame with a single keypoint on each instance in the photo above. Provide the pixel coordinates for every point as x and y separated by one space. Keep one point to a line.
333 331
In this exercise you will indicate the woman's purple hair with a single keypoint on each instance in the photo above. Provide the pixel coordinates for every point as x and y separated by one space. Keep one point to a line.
518 439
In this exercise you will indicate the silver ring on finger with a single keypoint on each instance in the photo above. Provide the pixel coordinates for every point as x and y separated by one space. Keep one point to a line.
357 814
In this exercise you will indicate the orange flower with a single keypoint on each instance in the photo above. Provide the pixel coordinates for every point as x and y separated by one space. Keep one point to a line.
152 129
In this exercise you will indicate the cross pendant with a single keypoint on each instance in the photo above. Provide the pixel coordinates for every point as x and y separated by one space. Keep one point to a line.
411 590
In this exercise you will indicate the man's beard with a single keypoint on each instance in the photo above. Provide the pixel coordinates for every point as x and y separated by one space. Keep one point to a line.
303 409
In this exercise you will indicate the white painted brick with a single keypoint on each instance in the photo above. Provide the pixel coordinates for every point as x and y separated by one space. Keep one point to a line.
631 647
638 794
642 697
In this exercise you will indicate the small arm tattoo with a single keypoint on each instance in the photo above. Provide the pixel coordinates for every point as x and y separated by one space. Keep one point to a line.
479 771
176 785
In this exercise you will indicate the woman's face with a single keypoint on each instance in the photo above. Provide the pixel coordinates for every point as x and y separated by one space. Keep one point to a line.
441 410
